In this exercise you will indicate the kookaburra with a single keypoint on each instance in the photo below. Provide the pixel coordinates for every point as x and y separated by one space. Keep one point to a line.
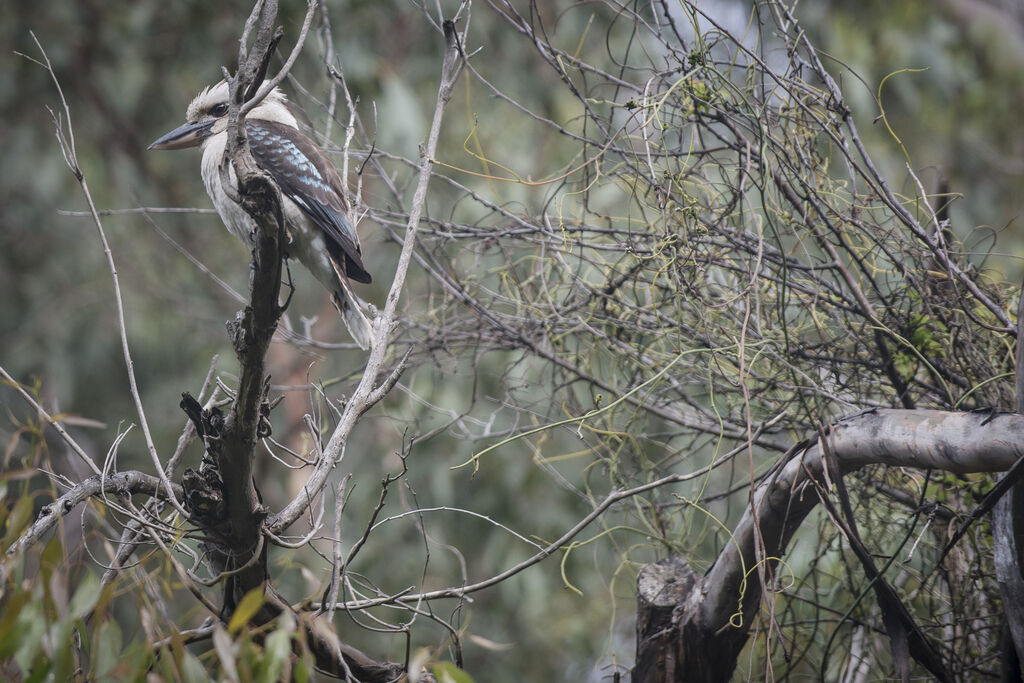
312 195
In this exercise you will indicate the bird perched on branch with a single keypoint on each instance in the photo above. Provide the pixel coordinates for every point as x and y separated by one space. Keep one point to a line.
312 195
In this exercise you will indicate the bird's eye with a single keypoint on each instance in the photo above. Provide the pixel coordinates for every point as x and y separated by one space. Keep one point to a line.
219 109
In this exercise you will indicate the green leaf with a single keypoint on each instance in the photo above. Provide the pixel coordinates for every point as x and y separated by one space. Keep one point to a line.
447 672
301 672
225 649
107 650
61 650
246 609
192 670
31 627
86 595
40 671
10 634
905 365
278 649
165 663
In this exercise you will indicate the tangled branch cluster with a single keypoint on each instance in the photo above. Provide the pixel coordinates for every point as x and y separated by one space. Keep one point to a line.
716 269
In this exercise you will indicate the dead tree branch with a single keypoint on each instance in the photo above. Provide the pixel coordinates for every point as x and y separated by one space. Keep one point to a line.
718 610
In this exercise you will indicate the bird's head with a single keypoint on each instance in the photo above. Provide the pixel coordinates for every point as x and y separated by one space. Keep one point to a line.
207 116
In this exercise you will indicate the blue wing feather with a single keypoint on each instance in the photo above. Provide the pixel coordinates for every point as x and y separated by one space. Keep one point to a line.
308 178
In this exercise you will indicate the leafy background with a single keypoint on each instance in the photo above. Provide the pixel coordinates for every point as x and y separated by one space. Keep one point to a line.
128 70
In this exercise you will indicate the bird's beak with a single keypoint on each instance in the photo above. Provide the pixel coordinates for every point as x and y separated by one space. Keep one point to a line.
188 135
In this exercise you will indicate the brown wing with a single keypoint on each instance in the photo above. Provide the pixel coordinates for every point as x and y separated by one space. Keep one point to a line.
308 178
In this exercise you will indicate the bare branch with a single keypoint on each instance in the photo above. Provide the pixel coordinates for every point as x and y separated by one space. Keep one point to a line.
68 148
362 396
119 484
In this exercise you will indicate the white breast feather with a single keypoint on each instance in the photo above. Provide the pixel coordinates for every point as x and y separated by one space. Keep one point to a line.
305 241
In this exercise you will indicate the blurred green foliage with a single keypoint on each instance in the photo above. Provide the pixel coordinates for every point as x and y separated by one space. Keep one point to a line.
958 113
129 69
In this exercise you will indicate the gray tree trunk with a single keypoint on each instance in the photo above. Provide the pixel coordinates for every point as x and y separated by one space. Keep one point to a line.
693 628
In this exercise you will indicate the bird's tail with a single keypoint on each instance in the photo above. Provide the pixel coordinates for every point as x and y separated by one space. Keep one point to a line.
351 308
